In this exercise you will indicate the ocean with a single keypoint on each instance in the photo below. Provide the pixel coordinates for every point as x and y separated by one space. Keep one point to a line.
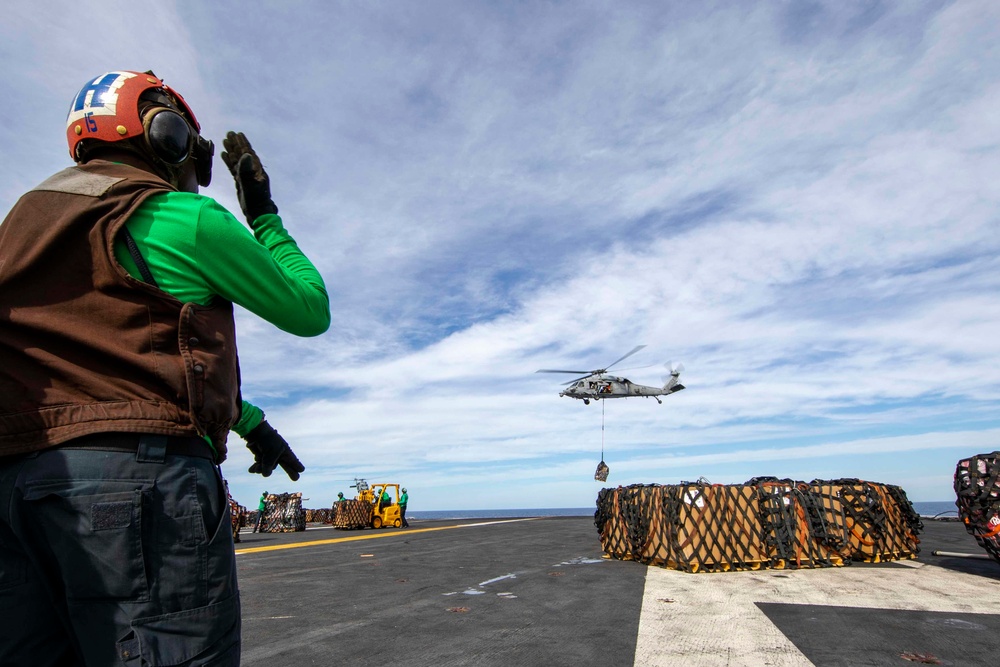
927 508
500 514
936 508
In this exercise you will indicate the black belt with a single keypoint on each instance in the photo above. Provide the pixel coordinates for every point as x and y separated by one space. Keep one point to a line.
129 442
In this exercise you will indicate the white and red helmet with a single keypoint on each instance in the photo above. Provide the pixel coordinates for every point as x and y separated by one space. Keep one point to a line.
107 110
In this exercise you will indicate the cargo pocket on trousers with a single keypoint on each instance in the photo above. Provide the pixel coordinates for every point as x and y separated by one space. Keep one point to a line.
208 633
96 540
13 568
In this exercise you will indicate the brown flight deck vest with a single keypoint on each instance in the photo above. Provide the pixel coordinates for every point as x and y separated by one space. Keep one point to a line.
84 347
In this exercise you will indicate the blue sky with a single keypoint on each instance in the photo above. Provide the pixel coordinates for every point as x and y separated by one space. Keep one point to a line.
797 200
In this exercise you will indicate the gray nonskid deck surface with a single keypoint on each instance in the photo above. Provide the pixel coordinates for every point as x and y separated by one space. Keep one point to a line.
528 592
537 592
939 610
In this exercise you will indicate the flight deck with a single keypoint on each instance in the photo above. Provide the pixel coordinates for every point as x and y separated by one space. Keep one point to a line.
537 591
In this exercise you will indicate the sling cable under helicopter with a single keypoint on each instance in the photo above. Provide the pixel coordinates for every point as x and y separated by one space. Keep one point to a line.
602 468
597 385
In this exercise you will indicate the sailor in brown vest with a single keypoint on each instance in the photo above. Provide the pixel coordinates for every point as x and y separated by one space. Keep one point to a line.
119 383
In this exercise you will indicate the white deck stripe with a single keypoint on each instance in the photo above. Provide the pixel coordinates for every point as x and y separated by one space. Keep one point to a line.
711 619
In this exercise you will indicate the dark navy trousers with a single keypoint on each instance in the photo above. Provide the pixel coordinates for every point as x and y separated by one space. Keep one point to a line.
112 557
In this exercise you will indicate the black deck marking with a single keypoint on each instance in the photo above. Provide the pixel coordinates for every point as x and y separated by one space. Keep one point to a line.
850 636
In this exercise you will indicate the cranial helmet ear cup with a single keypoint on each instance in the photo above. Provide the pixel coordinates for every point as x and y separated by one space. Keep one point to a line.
203 152
168 135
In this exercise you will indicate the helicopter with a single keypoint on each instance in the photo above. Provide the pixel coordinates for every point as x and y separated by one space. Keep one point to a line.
596 385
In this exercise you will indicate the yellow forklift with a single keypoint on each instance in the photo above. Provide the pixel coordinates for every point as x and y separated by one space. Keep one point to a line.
383 513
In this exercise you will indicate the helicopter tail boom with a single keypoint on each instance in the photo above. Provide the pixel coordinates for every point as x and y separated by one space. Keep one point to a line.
673 381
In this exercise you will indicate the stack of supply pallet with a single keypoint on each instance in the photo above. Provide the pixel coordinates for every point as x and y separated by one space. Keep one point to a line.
977 486
319 516
787 510
865 521
283 514
349 514
237 514
765 523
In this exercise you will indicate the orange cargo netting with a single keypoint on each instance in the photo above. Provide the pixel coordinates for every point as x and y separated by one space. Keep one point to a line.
352 514
237 515
765 523
319 516
866 521
977 487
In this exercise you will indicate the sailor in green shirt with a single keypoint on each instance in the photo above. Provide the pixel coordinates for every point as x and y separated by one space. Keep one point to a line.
261 506
140 160
403 499
197 251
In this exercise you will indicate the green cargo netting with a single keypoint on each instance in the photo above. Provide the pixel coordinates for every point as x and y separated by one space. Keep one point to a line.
977 487
765 523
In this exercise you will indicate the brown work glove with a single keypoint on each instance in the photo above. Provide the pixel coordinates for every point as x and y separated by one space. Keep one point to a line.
253 187
270 450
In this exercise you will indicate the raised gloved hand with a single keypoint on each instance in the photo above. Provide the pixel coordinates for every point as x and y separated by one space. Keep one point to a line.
270 450
253 187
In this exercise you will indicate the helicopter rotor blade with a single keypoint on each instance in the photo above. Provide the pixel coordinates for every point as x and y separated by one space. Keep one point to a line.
634 350
584 377
549 370
633 368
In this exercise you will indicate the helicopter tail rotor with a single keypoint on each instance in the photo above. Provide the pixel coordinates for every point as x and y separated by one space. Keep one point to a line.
672 382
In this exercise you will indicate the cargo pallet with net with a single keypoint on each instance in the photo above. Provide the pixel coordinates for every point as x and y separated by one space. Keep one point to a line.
765 523
977 487
283 514
352 514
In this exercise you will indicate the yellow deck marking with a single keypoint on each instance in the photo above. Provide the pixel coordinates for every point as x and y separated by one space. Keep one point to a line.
373 536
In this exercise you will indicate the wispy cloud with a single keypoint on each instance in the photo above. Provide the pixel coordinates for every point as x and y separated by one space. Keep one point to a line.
795 200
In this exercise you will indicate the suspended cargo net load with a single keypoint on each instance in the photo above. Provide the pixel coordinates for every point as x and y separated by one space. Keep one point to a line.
283 514
977 486
765 523
349 514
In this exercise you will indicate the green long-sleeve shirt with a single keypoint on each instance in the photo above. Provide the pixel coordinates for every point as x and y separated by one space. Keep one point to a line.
198 251
250 417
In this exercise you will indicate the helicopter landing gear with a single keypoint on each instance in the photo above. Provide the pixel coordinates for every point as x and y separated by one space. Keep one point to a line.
658 400
586 401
